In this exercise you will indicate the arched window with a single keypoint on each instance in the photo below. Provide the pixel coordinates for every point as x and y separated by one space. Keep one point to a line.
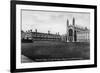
70 32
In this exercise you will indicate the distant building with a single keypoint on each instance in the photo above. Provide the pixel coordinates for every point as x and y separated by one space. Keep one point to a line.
35 36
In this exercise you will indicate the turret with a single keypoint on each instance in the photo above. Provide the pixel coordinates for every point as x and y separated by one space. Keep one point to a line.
73 21
67 22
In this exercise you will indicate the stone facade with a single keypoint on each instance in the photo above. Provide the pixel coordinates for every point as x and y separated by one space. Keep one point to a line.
73 34
77 34
35 36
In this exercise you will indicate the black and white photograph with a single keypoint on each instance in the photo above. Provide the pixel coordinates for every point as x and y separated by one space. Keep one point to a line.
52 36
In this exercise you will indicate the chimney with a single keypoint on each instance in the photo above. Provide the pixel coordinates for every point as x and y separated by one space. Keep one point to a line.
36 30
31 30
48 32
58 33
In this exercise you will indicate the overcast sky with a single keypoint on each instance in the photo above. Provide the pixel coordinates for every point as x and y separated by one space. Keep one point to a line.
53 21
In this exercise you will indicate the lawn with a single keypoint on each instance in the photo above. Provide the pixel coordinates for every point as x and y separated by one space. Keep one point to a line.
40 51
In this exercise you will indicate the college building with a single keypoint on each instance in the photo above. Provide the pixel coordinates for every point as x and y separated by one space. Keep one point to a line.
73 34
76 33
38 36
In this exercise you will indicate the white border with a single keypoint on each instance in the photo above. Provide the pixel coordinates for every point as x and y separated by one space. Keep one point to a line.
20 65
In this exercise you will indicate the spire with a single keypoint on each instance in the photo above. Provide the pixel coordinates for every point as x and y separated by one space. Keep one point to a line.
73 21
67 22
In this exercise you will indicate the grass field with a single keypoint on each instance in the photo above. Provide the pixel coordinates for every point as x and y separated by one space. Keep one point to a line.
40 51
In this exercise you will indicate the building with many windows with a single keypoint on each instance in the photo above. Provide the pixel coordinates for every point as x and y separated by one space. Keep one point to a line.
73 34
38 36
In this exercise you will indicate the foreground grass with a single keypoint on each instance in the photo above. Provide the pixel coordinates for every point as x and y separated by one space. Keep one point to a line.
55 51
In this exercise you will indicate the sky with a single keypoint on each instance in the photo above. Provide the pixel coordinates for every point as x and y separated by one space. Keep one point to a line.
53 21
